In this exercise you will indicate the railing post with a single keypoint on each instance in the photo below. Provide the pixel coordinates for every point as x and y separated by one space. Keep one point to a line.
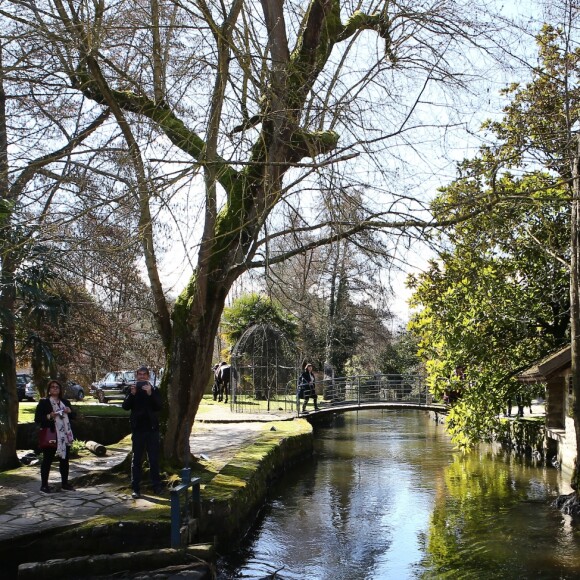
179 514
297 400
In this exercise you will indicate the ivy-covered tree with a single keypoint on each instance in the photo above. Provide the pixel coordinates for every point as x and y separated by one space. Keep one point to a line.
239 104
346 334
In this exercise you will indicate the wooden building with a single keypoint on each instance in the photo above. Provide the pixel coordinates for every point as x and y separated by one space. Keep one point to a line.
555 371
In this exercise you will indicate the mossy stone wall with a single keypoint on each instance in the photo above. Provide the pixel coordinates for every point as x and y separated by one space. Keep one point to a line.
232 499
104 431
229 504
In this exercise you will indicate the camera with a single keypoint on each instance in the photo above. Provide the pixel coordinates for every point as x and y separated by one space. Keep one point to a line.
141 384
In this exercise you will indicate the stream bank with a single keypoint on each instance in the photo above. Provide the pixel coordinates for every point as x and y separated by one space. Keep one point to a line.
235 475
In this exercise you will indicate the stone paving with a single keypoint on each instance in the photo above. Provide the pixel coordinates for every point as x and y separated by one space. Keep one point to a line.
25 510
538 409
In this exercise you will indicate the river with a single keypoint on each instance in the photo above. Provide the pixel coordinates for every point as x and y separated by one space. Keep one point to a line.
386 496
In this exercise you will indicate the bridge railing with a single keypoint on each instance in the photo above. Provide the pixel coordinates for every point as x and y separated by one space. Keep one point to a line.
375 388
349 390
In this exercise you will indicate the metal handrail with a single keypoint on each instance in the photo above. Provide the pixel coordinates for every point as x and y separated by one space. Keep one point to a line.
356 390
185 508
376 388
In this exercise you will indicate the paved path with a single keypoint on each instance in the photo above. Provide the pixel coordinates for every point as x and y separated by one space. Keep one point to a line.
25 510
538 409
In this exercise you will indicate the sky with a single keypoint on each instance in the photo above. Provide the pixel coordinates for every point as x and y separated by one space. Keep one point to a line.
427 167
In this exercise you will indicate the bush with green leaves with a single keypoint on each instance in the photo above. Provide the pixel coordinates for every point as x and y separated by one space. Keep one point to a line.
255 308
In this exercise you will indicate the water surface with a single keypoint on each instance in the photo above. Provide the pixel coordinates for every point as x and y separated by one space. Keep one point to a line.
387 497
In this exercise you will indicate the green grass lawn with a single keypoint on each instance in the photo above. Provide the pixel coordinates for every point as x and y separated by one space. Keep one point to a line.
91 407
87 407
249 404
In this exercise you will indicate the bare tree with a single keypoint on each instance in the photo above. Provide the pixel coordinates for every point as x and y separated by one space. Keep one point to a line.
245 106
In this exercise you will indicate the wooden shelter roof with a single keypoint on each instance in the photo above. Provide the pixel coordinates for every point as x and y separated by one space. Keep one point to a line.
547 367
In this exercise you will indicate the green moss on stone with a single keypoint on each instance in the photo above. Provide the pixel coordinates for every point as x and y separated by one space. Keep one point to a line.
243 466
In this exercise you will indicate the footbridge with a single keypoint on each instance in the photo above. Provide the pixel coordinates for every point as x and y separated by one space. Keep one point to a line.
378 391
255 395
326 410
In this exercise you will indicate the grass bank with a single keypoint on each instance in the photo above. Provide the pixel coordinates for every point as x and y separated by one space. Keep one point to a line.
88 408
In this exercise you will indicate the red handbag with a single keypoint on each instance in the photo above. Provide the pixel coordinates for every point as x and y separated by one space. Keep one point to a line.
46 438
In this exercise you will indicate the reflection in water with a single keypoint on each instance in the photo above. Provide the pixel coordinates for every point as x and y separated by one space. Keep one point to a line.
386 496
492 519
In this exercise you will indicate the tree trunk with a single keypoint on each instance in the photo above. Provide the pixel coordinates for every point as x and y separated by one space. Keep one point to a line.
575 307
8 390
329 345
229 238
196 318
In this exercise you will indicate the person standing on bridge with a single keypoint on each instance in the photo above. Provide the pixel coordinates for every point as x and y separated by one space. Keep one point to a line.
308 387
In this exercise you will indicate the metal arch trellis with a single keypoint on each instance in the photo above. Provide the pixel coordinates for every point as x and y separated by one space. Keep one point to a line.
265 365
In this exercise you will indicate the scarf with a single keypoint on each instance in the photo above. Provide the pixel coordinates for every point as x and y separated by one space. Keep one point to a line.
64 435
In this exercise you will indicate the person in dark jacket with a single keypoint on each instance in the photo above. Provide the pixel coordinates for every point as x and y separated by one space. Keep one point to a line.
54 412
307 386
144 402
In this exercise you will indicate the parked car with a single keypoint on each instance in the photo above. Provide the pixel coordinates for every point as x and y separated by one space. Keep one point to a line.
115 385
73 391
26 390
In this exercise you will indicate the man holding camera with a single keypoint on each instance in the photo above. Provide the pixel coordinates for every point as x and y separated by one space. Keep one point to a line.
144 402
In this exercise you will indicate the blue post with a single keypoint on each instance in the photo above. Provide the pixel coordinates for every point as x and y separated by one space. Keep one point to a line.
175 519
176 509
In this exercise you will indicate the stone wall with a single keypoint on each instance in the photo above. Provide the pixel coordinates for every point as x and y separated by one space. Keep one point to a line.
247 481
230 503
109 565
104 431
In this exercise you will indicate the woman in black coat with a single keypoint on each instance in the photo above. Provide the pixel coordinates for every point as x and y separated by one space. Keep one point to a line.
307 386
54 412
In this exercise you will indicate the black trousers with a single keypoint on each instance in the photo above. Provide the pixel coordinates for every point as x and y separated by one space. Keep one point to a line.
48 456
309 392
145 442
